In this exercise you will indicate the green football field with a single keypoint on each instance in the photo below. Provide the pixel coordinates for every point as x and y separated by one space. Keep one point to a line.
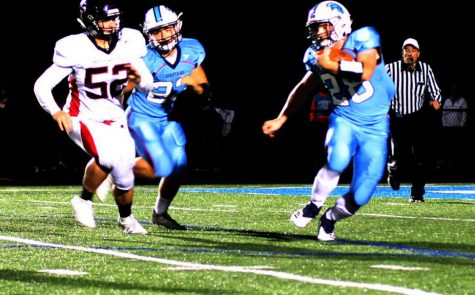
239 241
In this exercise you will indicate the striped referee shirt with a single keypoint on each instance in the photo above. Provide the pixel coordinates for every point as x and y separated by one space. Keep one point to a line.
411 86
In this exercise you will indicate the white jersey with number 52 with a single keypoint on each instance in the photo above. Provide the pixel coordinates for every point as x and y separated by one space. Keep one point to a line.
96 77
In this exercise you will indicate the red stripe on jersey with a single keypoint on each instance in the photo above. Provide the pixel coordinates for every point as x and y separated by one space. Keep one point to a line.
88 141
75 102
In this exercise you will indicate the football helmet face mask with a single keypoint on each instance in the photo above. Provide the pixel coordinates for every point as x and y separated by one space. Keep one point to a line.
333 13
163 28
92 12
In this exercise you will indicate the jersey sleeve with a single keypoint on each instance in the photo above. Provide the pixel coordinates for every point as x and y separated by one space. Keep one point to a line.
434 88
363 39
146 80
309 59
196 48
67 51
44 85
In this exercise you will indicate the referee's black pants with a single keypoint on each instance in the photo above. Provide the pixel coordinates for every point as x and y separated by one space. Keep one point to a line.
409 155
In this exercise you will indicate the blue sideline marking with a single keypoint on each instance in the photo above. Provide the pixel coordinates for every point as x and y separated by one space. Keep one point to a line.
432 191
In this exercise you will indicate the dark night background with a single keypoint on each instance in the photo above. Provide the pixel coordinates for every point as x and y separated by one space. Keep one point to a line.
254 58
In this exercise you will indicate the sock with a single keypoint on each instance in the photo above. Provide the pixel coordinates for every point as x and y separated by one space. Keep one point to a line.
161 205
325 182
125 210
86 195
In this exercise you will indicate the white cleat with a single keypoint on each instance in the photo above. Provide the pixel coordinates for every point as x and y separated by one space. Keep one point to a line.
104 188
131 225
302 217
326 229
83 212
324 236
299 220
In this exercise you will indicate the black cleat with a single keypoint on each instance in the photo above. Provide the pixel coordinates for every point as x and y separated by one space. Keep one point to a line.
166 221
393 181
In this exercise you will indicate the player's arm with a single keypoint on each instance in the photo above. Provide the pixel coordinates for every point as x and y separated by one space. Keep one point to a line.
338 62
368 59
197 80
301 92
133 79
43 90
139 77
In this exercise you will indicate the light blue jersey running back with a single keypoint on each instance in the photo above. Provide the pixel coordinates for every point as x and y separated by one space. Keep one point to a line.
359 124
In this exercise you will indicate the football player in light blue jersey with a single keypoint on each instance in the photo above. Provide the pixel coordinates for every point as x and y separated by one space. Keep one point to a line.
350 65
175 64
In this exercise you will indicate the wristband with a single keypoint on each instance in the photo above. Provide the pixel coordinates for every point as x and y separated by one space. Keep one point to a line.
352 70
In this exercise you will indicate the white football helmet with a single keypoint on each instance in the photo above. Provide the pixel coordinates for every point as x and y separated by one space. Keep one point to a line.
328 12
158 18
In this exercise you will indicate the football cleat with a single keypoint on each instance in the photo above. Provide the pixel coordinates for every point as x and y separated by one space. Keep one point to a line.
166 221
414 199
326 229
104 188
83 212
302 217
131 225
393 181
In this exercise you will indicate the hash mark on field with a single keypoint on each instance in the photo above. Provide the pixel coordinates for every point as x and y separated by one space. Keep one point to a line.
398 267
66 272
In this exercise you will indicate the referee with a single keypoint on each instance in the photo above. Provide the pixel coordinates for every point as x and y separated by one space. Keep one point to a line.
415 85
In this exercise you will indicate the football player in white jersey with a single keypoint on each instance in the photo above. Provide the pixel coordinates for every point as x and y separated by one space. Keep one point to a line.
99 63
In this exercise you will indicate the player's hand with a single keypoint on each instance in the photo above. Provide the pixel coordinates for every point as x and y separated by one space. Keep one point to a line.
133 75
64 121
325 60
270 127
189 81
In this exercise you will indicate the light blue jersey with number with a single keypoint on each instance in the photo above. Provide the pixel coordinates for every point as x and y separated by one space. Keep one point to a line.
166 78
362 103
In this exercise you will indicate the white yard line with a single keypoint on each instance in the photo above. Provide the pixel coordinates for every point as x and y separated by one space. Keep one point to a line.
280 211
147 207
417 217
238 269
